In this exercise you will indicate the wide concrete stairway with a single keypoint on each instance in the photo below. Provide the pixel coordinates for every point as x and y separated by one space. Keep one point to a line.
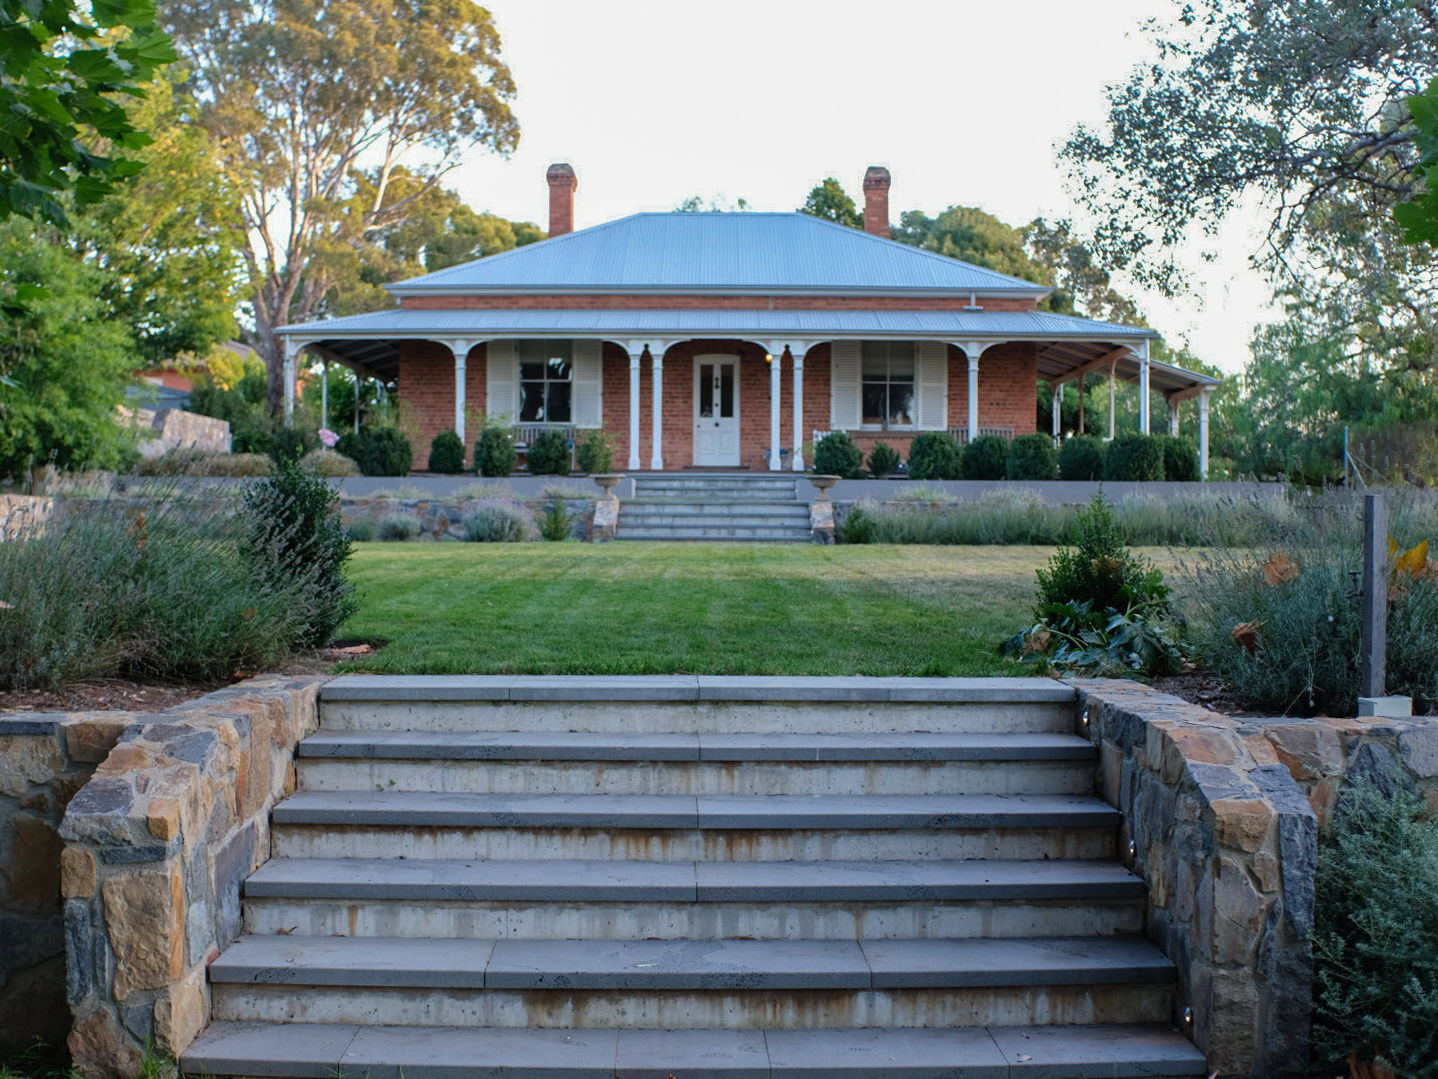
739 506
709 878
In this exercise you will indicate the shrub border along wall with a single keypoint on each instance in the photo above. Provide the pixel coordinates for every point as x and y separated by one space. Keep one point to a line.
157 846
1223 813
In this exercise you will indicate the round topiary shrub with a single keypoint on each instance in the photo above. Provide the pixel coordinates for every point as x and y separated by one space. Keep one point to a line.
595 453
1134 459
446 453
985 458
494 452
836 455
883 460
396 528
1081 458
1032 457
386 453
352 445
935 455
548 454
1180 459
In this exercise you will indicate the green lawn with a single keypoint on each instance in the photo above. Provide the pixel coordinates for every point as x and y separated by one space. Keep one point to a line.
652 608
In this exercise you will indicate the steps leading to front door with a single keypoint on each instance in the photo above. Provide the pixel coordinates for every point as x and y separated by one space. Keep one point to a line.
763 508
521 877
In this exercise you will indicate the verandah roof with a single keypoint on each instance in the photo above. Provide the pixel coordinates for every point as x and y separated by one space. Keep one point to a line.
1070 345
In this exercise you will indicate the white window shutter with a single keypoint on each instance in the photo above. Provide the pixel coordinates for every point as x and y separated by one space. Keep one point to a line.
845 407
933 385
501 383
588 383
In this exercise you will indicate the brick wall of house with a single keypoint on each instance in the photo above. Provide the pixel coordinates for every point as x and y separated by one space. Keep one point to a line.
1008 381
426 394
722 303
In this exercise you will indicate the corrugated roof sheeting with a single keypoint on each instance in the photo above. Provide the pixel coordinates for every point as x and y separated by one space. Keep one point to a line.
716 252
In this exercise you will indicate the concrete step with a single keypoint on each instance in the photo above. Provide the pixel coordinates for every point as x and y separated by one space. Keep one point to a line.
751 764
350 1051
681 507
686 704
721 533
601 900
696 983
379 824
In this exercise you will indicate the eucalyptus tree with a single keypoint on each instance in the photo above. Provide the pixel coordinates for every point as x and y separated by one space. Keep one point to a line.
830 201
310 101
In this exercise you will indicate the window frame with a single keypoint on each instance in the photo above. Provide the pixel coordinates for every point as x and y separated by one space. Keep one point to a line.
888 382
546 379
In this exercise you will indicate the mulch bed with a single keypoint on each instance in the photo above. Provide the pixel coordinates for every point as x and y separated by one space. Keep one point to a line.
1204 688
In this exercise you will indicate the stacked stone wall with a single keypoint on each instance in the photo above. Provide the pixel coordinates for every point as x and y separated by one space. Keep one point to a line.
23 515
156 847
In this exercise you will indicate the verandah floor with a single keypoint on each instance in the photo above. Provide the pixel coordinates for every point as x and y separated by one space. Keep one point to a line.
659 608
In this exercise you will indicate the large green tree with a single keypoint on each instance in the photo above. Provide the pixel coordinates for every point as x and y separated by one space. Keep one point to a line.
307 100
66 69
831 202
1290 103
1419 216
65 361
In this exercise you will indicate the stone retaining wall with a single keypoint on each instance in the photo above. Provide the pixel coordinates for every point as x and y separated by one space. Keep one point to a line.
44 759
1223 815
156 847
21 515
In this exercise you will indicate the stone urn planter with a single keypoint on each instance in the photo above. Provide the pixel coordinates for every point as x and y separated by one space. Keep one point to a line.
823 483
608 481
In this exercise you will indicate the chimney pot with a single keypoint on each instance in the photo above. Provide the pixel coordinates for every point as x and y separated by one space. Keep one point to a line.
876 201
562 185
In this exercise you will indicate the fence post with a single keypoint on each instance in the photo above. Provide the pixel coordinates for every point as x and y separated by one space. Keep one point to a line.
1374 634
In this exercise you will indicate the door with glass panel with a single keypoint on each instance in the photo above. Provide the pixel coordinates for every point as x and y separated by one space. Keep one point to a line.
716 411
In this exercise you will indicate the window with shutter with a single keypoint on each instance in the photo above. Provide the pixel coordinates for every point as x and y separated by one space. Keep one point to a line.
887 396
933 386
588 384
844 394
502 381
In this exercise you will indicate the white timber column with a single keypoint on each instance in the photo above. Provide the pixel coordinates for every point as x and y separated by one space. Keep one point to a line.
656 355
1057 407
292 349
460 347
973 350
1144 405
325 393
636 354
1173 417
799 351
1203 396
776 374
1112 400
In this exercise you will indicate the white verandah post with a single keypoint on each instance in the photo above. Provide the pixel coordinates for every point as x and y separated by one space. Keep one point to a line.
636 353
656 462
1203 397
1144 405
799 352
776 374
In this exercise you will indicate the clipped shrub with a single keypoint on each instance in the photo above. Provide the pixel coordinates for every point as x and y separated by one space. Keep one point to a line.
836 455
328 463
446 453
1375 934
290 444
362 531
934 455
496 519
985 458
1180 459
548 454
883 460
595 453
290 530
494 452
557 522
1134 458
1081 458
858 526
1095 568
397 528
1032 457
351 444
386 453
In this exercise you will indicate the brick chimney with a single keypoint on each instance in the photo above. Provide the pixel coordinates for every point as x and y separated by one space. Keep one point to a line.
876 201
562 185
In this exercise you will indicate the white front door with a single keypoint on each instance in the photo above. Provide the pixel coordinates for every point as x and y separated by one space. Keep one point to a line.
716 410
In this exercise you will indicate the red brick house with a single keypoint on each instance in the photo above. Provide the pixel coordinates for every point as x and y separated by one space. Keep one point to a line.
730 340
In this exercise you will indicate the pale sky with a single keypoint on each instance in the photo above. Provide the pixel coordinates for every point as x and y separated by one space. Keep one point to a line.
652 101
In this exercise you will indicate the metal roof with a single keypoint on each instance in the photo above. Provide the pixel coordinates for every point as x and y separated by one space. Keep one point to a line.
1065 346
711 252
